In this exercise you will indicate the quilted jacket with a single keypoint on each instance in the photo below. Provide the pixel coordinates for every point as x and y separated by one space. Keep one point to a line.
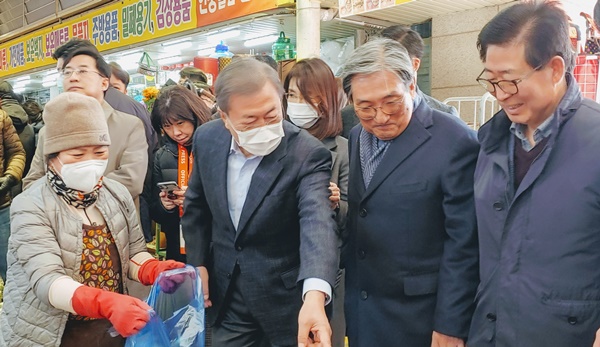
46 244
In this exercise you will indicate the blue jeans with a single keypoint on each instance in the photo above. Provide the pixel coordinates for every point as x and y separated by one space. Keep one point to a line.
4 234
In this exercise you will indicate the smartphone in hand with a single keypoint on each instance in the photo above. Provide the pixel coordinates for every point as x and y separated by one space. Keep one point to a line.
168 187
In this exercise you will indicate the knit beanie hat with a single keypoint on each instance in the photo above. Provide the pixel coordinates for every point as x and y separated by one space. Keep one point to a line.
74 120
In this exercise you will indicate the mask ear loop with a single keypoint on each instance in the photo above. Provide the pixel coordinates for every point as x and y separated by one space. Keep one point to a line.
54 167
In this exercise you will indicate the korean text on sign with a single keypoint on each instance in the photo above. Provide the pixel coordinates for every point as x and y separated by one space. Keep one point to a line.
137 19
212 6
173 12
105 28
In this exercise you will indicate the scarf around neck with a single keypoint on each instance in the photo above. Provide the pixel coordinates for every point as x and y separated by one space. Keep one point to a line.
73 197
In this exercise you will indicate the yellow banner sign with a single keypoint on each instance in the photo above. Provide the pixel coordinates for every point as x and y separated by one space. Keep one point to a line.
125 23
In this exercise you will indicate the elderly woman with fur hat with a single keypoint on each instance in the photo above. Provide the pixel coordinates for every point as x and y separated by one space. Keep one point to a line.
74 237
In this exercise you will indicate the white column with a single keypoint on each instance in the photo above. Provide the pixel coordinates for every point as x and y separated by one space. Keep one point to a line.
308 29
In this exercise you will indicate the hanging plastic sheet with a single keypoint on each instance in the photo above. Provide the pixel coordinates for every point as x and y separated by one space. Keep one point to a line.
177 319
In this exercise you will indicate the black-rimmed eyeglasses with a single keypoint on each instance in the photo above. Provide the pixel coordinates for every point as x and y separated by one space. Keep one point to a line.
507 86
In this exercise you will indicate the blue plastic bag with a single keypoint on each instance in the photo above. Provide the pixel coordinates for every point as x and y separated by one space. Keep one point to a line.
177 319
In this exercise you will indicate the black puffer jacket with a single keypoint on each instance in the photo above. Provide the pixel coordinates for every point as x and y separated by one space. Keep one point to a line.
165 169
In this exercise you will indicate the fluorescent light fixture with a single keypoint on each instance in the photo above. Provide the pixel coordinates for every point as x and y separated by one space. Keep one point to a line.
135 55
50 77
22 78
21 84
206 51
260 40
223 35
48 84
178 46
169 61
130 57
174 42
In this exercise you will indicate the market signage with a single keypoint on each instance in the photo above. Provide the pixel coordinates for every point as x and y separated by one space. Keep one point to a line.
215 11
125 23
354 7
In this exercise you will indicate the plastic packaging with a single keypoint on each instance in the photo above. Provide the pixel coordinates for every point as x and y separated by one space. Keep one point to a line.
223 54
178 318
283 48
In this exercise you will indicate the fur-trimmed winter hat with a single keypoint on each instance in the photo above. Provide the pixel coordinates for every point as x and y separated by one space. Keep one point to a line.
74 120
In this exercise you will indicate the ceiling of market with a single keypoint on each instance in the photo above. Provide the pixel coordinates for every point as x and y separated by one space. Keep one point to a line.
183 48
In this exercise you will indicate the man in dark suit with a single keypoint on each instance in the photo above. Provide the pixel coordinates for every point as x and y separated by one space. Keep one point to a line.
257 217
411 253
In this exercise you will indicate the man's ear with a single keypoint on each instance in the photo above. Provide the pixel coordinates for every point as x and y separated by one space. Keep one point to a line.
416 63
412 89
105 83
557 64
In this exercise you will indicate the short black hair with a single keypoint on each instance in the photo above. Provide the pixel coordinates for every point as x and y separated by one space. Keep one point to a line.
101 64
119 73
63 50
542 27
410 39
267 59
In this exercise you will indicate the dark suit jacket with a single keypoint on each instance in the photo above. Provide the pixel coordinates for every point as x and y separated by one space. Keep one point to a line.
411 259
286 231
338 146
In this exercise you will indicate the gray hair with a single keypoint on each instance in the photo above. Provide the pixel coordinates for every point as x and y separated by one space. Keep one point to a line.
381 54
243 77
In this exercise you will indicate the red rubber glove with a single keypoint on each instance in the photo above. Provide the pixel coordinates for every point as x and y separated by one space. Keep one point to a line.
127 314
150 270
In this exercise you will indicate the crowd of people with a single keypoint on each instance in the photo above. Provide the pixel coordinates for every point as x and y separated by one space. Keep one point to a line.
316 208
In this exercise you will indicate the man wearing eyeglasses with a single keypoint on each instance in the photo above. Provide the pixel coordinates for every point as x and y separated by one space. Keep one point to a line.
411 255
84 71
537 188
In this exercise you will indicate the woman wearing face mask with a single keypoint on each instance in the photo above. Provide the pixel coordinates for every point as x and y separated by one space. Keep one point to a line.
177 113
74 238
313 102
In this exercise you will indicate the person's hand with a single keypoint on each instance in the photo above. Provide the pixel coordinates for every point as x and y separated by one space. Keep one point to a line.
7 182
313 327
597 339
167 203
127 314
150 270
169 283
204 277
441 340
179 196
334 198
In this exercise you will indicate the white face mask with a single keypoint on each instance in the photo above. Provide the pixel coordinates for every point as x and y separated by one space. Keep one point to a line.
260 141
84 175
302 115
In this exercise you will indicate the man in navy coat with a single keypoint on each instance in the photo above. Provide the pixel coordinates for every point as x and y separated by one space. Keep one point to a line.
257 218
411 256
537 188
